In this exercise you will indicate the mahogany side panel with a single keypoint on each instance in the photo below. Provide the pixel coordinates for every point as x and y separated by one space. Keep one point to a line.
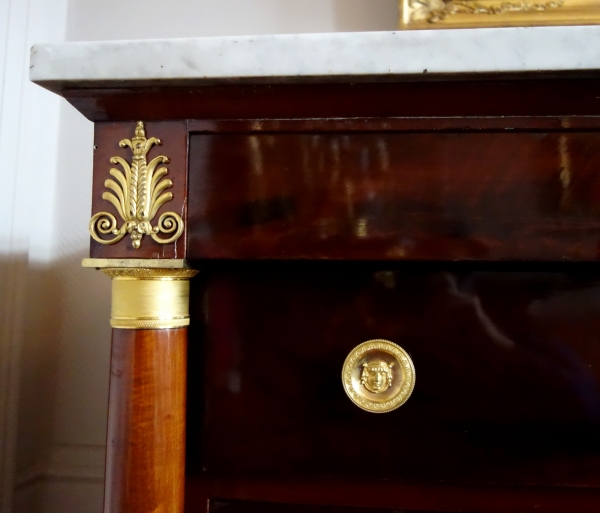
146 422
174 138
559 95
504 195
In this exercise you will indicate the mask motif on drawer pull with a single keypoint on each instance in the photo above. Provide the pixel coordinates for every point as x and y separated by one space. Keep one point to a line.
378 376
137 194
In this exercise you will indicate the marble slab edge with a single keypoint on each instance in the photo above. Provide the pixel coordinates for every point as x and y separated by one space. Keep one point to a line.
59 86
300 58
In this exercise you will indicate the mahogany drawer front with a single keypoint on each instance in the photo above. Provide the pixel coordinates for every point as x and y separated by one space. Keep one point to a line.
507 374
499 195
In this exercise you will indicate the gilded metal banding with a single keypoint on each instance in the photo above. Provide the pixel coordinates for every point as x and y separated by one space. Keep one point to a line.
150 298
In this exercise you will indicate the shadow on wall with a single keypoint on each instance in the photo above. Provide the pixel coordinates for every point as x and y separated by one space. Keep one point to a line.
65 346
361 16
63 385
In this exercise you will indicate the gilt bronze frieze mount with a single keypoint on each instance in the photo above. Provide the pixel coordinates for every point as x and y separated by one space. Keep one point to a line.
137 191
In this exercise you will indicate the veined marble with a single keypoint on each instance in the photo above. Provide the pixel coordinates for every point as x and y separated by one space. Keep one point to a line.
306 56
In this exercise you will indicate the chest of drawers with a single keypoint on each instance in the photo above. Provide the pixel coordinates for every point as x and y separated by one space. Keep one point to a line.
456 216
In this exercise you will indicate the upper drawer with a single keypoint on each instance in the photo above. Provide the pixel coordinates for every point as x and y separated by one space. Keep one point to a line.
395 195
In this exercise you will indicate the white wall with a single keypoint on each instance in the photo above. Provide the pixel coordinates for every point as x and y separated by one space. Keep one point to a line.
54 314
128 19
29 124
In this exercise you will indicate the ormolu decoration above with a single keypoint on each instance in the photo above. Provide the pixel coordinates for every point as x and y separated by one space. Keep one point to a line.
434 11
378 376
436 14
137 194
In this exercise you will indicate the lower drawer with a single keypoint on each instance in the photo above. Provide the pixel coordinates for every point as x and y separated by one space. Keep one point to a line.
507 375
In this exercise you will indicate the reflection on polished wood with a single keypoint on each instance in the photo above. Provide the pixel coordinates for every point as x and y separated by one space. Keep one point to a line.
396 196
146 422
508 363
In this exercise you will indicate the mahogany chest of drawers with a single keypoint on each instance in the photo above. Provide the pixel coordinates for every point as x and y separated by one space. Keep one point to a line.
458 218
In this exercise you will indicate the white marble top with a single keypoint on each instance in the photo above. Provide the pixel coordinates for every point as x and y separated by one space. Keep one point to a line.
309 56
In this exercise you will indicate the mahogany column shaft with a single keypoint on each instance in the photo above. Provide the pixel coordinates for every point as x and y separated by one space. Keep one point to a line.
146 422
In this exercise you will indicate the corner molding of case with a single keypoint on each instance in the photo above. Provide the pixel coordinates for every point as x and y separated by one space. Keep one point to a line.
135 263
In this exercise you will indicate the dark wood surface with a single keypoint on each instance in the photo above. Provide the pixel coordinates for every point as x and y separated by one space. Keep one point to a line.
497 195
174 138
266 507
562 94
507 375
393 496
146 422
434 124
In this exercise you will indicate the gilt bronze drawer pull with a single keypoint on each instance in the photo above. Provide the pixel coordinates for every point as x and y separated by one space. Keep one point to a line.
378 376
